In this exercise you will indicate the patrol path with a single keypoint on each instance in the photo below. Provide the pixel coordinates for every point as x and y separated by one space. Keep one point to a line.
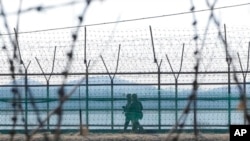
122 137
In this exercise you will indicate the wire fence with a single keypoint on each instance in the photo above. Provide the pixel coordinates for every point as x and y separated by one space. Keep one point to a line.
156 64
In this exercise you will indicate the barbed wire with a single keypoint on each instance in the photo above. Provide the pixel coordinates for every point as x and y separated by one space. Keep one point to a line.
41 8
136 47
135 50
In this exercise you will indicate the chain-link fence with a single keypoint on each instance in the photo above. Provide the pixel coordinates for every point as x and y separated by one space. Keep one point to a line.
156 64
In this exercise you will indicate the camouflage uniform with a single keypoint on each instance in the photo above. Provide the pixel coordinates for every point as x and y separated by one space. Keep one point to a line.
136 113
127 112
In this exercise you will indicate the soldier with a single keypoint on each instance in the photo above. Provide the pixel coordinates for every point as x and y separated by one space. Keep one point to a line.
127 112
136 113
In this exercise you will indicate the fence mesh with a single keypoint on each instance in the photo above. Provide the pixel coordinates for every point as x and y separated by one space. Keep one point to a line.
100 97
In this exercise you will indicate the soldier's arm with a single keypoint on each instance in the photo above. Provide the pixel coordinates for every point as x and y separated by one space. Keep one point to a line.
141 106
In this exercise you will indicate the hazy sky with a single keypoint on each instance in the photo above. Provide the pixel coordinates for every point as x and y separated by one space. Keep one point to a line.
101 11
115 10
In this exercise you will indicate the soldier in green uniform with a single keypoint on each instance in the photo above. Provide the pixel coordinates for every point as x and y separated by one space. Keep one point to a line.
136 113
127 112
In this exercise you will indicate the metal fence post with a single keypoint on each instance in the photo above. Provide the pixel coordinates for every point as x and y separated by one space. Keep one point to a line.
159 97
229 95
47 82
112 85
26 96
26 101
176 102
176 83
48 104
159 77
87 76
112 104
229 60
80 110
87 94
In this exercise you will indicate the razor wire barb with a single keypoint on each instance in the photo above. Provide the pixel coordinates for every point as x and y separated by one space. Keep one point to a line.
16 93
135 50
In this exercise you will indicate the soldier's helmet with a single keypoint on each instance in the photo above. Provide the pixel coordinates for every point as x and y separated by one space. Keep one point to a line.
128 96
134 96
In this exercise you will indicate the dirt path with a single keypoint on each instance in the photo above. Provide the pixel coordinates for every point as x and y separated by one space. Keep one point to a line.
122 137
